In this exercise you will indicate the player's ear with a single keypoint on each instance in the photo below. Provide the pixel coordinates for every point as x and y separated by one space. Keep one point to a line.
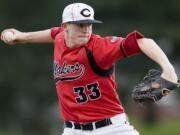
64 26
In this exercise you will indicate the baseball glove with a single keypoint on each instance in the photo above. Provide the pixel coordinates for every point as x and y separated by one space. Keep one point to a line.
152 88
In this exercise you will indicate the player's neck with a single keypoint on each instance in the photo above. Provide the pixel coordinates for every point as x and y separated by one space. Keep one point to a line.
71 44
68 42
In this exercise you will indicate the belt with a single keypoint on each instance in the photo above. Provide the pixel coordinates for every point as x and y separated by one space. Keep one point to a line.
88 125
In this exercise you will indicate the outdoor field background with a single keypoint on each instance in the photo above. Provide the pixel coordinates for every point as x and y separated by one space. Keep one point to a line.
28 101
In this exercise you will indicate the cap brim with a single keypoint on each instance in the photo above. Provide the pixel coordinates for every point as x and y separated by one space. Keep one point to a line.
85 21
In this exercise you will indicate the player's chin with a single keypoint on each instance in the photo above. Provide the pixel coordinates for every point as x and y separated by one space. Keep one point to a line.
83 41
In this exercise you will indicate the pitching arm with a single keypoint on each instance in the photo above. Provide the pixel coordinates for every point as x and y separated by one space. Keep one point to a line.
13 36
154 52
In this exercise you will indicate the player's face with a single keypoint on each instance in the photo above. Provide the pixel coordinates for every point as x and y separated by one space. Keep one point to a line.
78 34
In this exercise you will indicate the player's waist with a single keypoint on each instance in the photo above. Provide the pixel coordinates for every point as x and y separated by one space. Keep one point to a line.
117 119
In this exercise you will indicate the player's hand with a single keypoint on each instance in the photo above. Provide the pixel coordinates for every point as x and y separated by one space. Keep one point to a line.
11 36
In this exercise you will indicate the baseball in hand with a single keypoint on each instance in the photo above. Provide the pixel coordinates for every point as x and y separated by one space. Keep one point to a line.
8 36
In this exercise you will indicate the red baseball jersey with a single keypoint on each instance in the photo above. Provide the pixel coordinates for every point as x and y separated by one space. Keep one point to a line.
85 76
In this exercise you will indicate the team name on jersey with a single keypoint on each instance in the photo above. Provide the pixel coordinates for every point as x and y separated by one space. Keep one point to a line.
68 72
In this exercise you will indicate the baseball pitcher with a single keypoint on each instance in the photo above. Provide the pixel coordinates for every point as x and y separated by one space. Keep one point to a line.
84 71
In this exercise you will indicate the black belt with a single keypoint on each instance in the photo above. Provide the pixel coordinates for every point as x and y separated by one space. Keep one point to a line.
89 125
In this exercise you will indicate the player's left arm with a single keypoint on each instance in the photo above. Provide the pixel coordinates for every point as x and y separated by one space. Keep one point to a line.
154 52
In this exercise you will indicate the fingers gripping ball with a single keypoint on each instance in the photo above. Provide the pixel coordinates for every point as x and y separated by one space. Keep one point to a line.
7 36
152 88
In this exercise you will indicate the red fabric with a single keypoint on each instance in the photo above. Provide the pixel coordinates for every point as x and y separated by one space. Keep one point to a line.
55 31
70 63
130 45
110 49
107 51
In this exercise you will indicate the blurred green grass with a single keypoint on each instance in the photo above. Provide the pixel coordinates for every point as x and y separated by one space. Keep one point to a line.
161 127
7 133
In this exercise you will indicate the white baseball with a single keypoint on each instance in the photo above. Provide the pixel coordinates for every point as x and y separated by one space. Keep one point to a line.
8 36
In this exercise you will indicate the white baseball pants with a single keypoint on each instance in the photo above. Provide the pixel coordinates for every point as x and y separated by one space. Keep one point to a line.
119 126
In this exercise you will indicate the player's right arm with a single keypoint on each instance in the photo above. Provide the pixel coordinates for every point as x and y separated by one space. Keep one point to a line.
19 37
151 49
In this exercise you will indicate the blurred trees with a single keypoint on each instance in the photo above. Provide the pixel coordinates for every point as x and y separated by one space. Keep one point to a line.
28 97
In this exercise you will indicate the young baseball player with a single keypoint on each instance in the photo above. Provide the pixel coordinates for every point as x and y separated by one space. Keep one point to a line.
84 70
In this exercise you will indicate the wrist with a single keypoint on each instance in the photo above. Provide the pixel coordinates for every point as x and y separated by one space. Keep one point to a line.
169 73
22 38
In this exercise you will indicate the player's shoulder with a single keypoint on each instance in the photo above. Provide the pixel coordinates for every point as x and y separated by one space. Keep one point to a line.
56 31
106 39
109 37
95 37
